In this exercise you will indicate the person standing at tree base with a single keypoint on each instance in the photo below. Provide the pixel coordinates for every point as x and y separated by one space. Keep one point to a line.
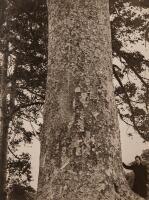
140 179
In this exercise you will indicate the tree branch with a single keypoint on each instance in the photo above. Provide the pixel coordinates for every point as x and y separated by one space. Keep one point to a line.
41 96
139 77
18 108
122 118
13 153
128 101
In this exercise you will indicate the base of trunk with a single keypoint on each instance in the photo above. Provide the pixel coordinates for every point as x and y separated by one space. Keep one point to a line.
69 185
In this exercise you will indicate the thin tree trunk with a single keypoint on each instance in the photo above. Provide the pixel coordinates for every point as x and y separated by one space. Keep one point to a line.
3 107
80 146
3 127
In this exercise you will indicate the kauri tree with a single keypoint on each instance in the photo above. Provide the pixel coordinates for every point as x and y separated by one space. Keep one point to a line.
80 141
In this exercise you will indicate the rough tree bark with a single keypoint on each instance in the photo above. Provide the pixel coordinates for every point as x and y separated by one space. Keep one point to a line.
80 143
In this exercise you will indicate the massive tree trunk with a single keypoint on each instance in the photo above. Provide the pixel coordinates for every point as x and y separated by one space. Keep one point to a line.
80 143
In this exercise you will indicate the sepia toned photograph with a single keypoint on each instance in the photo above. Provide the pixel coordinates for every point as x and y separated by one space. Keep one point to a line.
74 99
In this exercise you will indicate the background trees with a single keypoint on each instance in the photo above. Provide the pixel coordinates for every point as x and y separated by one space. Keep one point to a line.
26 55
130 67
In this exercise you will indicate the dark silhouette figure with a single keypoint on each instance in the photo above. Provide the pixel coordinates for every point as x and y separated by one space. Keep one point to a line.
140 179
